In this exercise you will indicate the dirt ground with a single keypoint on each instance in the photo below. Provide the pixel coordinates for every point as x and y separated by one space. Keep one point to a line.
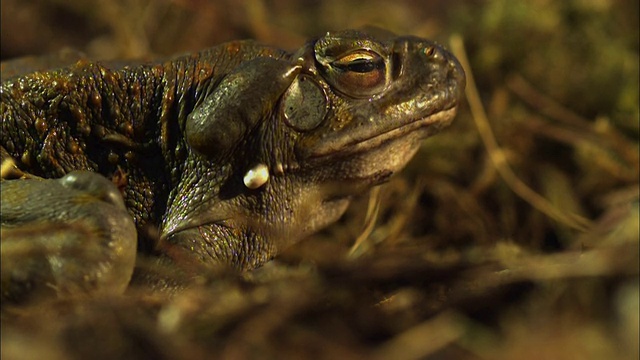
512 235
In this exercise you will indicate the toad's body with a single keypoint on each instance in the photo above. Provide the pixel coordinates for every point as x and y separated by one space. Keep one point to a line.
232 153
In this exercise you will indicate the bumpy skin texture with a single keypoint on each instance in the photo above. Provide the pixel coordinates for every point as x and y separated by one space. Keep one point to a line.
338 116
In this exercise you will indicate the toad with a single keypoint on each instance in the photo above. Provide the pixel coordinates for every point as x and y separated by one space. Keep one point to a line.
230 154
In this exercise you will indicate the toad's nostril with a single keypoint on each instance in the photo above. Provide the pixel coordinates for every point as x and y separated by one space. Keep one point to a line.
429 50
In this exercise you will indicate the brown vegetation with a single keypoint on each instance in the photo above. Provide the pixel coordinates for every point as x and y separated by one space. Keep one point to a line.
512 235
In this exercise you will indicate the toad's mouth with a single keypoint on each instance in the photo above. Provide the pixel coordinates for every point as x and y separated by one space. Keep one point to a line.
430 124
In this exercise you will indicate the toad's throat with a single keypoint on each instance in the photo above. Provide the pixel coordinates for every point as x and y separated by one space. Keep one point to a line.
433 123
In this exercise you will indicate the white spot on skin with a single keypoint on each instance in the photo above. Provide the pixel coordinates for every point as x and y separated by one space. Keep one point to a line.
256 176
279 169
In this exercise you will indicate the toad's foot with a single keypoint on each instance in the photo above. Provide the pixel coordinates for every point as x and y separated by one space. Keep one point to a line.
68 236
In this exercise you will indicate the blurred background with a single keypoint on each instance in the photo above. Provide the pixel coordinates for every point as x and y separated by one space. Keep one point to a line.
550 173
137 27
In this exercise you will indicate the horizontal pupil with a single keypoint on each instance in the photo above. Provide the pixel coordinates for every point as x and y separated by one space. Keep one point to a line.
360 65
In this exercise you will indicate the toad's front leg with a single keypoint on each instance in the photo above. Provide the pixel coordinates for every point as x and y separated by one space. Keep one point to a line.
68 236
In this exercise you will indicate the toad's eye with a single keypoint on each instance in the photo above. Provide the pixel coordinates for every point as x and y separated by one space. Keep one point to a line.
359 63
359 73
